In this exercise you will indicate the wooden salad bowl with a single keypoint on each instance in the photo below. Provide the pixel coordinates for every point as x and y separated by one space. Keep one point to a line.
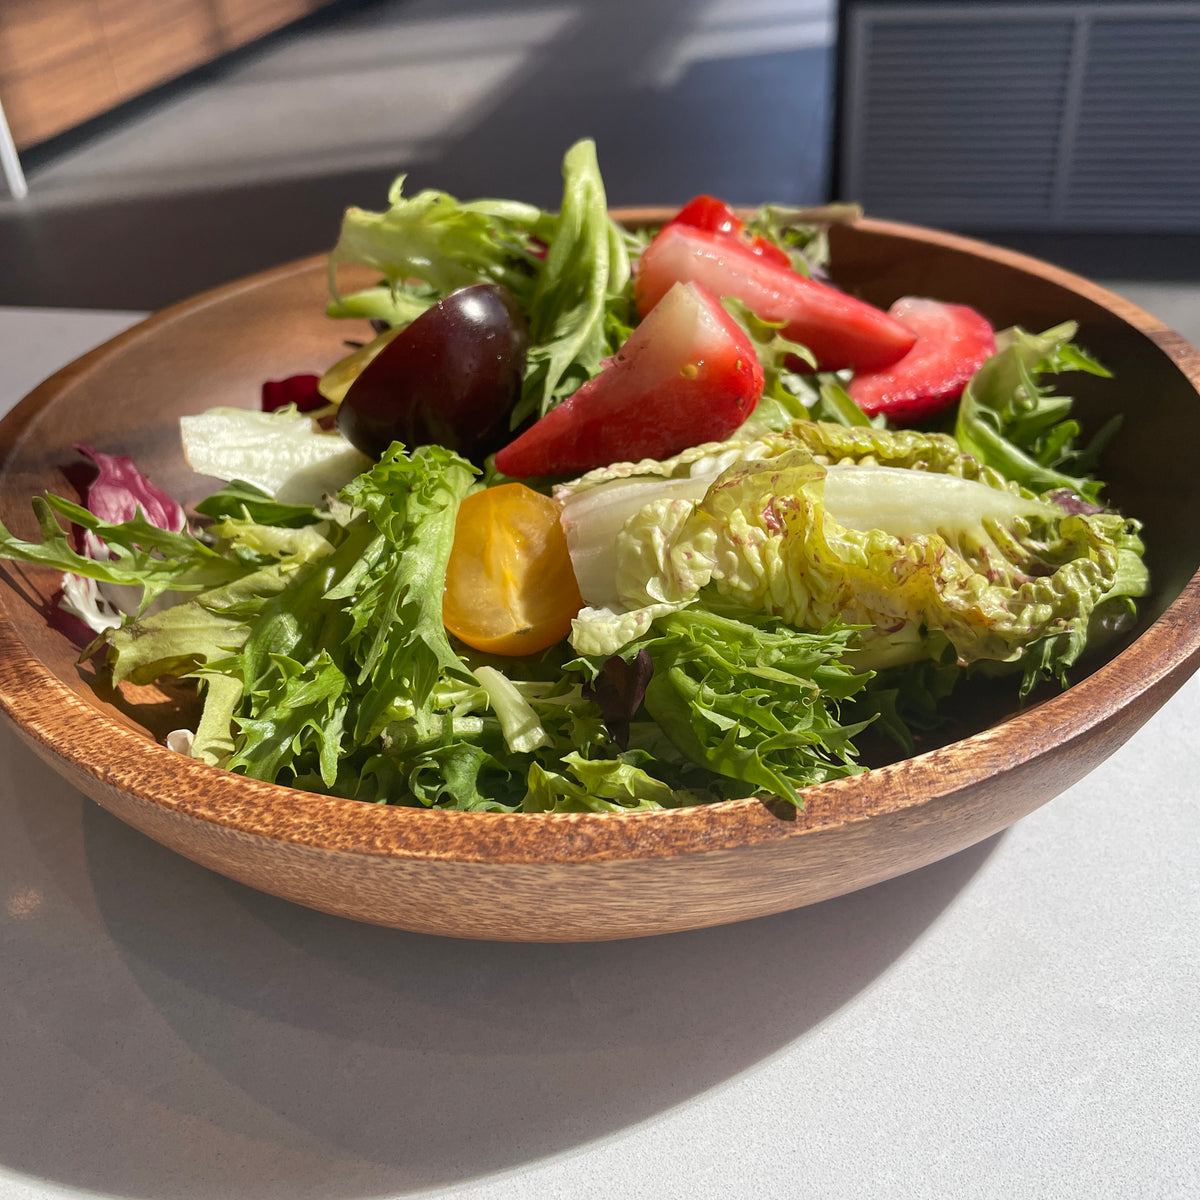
568 877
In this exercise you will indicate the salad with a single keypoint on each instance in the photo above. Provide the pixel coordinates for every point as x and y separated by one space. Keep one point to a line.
606 520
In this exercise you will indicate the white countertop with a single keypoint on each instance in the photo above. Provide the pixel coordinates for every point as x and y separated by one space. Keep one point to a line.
1019 1020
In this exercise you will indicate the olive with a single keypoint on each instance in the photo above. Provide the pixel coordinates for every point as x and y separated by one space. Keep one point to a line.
450 378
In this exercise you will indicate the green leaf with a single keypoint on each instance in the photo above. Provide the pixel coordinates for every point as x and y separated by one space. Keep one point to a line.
598 785
247 502
413 501
435 238
582 279
144 556
1010 421
302 713
754 700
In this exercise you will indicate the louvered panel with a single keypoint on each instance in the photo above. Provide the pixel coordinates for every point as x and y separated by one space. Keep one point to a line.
1062 115
933 145
1135 157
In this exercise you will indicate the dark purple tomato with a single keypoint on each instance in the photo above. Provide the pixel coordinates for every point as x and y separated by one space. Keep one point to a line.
451 378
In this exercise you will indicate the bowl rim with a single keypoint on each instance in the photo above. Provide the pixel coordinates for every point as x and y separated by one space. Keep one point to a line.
65 727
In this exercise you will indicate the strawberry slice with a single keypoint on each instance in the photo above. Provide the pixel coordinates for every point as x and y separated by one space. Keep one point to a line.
687 374
952 343
839 330
707 212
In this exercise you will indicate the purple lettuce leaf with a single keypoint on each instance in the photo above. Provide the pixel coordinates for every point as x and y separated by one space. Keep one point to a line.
618 691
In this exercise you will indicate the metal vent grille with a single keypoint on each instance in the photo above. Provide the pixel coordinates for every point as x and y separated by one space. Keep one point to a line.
1011 116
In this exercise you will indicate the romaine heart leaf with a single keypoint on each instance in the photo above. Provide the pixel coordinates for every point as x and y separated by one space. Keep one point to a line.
907 537
284 453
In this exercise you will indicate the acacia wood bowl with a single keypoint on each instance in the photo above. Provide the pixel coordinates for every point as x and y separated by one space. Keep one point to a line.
569 877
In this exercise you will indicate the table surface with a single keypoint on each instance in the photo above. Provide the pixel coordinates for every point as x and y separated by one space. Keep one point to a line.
1017 1020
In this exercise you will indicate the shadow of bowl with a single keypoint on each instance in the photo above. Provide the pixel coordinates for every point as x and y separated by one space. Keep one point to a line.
218 1037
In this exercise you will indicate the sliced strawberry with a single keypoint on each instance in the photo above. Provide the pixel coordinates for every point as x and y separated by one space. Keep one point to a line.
952 342
687 374
839 330
707 212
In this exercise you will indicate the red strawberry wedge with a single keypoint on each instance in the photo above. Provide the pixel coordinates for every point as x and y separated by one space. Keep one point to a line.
840 330
687 374
706 212
952 342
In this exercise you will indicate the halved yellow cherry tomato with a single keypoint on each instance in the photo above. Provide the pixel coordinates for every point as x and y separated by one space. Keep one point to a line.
510 588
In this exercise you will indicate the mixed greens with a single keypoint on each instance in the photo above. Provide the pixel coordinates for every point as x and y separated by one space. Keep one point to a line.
739 610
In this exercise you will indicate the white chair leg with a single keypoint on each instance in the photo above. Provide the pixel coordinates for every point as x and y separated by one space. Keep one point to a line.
10 162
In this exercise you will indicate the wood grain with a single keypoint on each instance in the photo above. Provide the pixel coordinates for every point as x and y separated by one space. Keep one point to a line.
586 876
64 62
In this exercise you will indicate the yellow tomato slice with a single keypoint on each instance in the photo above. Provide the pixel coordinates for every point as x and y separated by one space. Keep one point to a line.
510 588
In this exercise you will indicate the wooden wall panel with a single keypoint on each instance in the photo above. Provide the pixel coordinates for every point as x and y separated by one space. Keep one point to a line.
150 41
64 61
38 33
241 22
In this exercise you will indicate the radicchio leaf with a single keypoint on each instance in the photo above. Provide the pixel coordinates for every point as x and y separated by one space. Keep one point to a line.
120 489
300 390
115 495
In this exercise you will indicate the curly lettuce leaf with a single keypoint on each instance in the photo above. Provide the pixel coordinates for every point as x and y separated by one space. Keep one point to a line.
569 272
397 636
581 784
142 555
802 232
755 700
443 242
1009 420
329 628
579 313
